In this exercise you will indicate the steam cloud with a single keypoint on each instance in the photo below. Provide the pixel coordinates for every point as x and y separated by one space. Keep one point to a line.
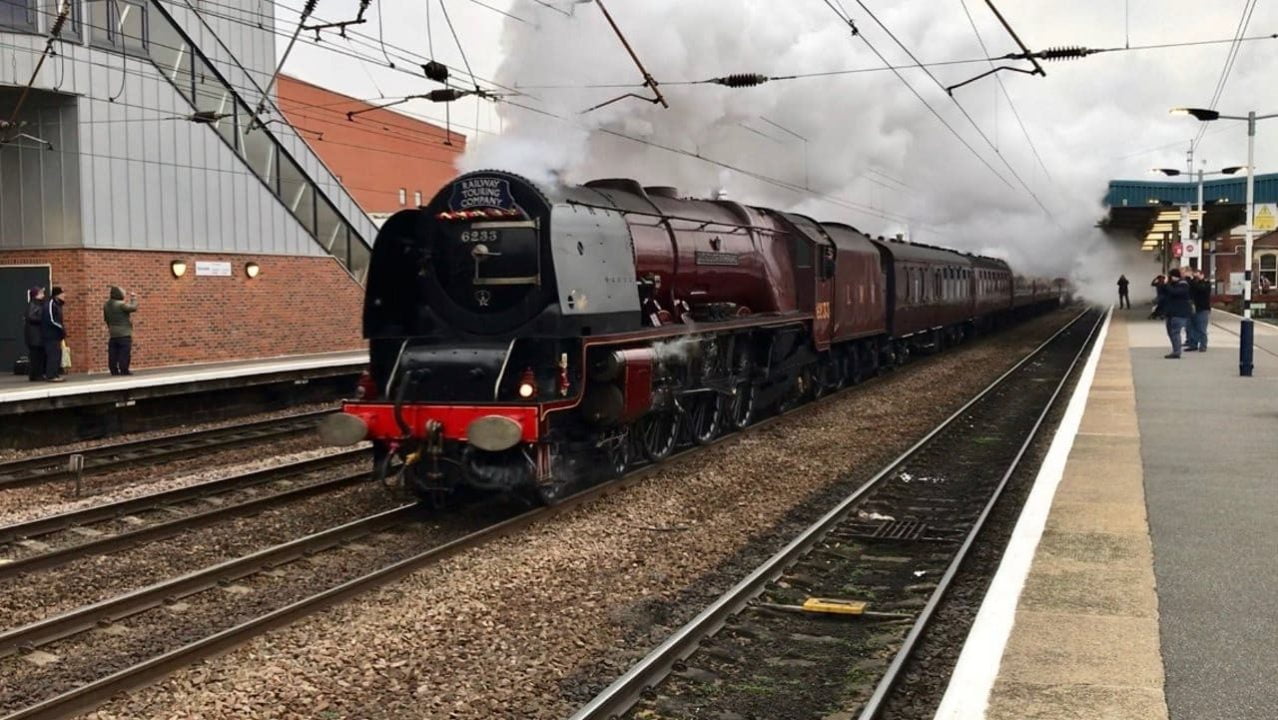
868 139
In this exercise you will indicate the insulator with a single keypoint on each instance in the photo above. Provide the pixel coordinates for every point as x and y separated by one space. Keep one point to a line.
436 71
446 95
309 8
56 30
740 80
1064 53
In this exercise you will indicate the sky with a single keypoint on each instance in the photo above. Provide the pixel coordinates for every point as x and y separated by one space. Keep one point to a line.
872 153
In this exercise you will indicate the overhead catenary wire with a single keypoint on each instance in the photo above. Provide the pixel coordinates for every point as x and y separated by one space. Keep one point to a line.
887 67
1010 103
416 134
960 106
1249 7
923 100
761 177
352 38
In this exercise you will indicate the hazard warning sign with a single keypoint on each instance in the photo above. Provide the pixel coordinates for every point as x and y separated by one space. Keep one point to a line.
1266 217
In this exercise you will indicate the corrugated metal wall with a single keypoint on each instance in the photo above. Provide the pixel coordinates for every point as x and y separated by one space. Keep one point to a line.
150 180
40 184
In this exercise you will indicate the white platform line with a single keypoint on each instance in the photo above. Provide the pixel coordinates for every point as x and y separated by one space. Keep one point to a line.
968 694
95 385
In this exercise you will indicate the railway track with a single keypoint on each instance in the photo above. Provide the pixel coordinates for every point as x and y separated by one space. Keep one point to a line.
154 667
56 466
828 622
22 536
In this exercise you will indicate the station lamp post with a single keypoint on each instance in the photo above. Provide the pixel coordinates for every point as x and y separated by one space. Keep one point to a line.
1246 344
1202 209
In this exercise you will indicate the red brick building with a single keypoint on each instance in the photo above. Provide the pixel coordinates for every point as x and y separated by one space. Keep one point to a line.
386 160
1229 259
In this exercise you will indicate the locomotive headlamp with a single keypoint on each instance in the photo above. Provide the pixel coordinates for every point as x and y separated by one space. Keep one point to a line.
527 384
178 267
252 270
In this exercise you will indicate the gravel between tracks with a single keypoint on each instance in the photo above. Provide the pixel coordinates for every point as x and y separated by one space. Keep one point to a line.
30 503
48 592
531 625
8 454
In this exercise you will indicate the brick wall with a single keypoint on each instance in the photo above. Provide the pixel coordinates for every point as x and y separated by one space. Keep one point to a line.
297 305
376 153
1230 254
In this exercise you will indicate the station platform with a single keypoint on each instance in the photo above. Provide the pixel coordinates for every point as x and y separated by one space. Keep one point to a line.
93 406
1140 581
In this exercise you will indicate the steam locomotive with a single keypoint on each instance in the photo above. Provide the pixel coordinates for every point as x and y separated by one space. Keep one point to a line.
527 339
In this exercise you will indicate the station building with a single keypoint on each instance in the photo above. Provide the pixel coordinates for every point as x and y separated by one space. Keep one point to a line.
1150 212
143 152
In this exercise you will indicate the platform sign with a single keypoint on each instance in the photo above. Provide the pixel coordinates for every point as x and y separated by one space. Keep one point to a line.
1266 217
1236 283
1193 250
213 268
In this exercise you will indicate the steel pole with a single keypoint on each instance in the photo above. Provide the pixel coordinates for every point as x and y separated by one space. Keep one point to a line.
1202 232
1247 330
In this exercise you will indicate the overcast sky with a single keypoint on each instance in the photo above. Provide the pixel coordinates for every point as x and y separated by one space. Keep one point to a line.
876 156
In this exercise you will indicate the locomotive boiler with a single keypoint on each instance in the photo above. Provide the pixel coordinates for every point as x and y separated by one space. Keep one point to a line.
529 339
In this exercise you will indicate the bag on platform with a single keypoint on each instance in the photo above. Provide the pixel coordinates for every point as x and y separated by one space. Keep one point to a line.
66 356
22 365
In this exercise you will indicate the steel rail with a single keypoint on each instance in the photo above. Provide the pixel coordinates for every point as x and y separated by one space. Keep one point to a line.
158 531
91 694
623 693
875 704
108 511
165 592
54 466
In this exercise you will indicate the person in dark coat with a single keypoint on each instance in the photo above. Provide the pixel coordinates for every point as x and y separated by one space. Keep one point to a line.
1200 293
117 314
1179 310
1123 299
1160 289
52 332
31 334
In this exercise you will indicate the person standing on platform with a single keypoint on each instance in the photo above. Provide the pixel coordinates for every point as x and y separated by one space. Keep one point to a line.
53 333
117 314
31 333
1123 300
1200 293
1160 297
1179 310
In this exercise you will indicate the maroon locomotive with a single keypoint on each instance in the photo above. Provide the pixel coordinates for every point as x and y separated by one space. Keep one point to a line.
523 338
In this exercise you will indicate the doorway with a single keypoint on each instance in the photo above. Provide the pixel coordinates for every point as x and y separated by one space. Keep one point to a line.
15 281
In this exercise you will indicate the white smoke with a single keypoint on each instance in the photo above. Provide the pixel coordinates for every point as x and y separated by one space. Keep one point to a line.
869 141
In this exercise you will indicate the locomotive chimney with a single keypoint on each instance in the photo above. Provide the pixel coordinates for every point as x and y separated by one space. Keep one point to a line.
721 194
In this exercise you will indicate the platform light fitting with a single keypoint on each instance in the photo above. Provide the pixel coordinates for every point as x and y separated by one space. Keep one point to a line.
252 270
1200 113
178 267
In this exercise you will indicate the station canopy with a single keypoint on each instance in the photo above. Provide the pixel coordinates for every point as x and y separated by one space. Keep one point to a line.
1145 209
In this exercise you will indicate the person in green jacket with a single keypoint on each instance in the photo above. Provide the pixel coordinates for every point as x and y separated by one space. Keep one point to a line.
117 313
